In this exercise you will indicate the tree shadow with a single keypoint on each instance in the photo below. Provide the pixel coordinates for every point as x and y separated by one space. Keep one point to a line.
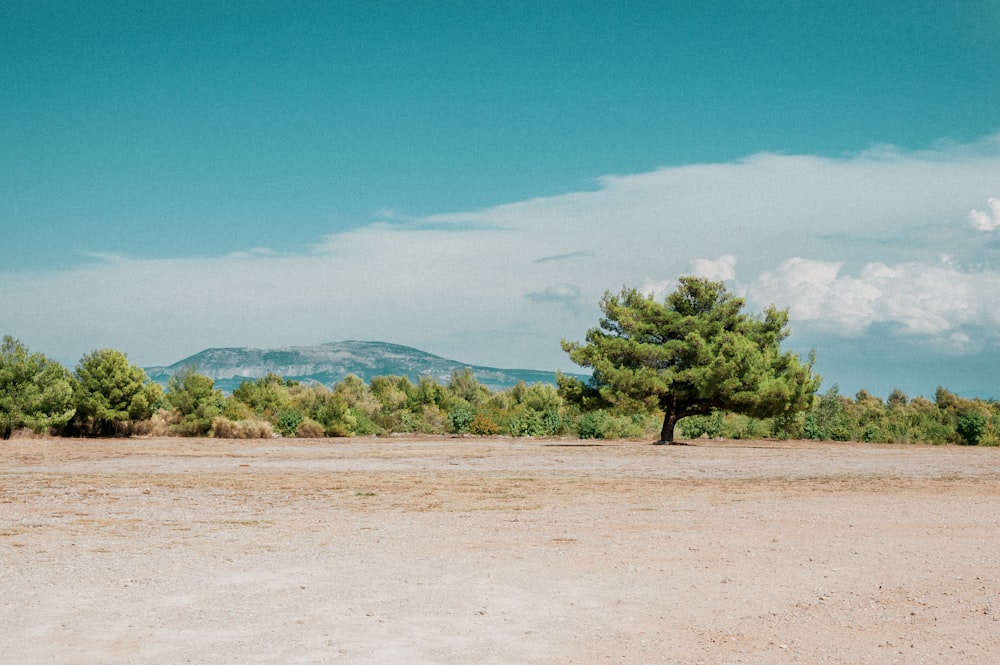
580 445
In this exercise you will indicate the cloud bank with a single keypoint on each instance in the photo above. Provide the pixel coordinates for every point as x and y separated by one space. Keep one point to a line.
879 243
989 219
940 305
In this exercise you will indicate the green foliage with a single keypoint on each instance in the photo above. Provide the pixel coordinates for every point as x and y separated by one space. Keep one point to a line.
460 417
35 392
429 392
289 421
971 428
526 422
692 354
112 397
553 421
827 420
266 396
601 424
195 399
463 385
541 397
948 419
575 392
594 425
332 412
709 426
897 399
392 392
733 426
111 394
364 426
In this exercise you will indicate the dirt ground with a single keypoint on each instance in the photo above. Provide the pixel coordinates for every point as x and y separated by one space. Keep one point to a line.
461 551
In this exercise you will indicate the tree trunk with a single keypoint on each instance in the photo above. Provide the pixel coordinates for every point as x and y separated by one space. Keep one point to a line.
669 421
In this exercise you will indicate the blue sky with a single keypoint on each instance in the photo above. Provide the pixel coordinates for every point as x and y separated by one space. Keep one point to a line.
469 178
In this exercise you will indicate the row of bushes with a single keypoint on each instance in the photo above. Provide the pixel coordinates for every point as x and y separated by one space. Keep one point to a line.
386 405
898 419
106 395
393 404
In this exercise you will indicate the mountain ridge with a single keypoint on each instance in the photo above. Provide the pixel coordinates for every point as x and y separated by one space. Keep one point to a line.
330 362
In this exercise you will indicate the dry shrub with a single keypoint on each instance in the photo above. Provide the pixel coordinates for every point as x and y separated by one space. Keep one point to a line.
483 425
309 429
224 428
157 425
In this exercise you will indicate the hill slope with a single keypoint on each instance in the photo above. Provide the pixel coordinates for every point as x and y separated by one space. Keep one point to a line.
329 363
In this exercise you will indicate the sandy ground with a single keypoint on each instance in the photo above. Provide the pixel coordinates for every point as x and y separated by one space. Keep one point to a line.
497 551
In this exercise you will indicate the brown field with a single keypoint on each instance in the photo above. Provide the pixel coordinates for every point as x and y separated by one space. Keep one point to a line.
471 551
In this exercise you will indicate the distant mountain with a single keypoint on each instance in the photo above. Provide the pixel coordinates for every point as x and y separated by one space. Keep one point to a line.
329 363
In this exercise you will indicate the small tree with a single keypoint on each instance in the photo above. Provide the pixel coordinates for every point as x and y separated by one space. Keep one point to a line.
35 392
827 419
693 353
464 385
110 393
266 395
197 400
971 427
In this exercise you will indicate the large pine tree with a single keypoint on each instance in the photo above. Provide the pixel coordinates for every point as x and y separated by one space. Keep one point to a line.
692 354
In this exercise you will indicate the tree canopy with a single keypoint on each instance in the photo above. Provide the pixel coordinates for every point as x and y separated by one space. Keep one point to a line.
111 393
197 400
692 354
35 392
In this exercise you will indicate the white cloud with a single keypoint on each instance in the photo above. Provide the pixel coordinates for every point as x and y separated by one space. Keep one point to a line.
938 302
814 291
721 269
658 289
847 244
989 219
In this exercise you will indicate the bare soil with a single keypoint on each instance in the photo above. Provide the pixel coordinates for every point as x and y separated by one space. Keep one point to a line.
462 551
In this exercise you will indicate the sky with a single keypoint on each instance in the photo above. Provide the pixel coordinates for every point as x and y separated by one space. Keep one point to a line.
469 178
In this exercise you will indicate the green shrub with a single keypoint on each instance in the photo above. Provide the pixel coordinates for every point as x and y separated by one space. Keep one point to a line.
432 419
634 426
266 396
594 425
526 422
460 417
971 427
552 422
873 433
288 421
364 425
744 427
709 426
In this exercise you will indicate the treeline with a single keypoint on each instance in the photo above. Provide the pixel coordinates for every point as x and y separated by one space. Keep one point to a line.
385 405
897 419
106 395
